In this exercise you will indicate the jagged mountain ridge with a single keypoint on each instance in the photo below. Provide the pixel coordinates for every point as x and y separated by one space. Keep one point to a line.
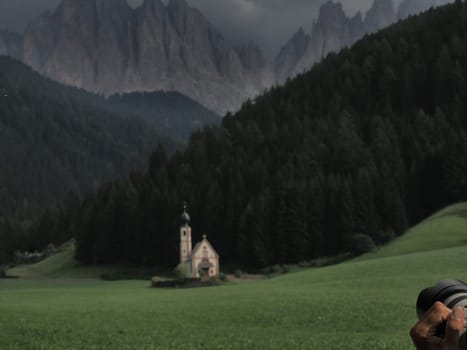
11 44
412 7
380 15
334 30
105 46
284 64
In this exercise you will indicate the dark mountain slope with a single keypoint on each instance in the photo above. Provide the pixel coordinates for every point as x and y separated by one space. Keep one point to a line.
52 143
171 113
344 156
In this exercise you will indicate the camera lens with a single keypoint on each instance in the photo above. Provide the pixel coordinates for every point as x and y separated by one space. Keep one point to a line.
451 293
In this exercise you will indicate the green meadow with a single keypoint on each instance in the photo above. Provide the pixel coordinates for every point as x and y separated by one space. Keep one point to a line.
367 303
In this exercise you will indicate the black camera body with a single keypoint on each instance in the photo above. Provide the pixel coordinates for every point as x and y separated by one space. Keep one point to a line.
452 293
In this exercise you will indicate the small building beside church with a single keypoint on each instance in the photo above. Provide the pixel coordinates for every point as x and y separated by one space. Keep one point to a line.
202 260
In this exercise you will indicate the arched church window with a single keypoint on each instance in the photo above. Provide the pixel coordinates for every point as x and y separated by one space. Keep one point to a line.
205 252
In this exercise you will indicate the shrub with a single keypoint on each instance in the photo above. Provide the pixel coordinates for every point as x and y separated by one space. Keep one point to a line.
111 276
50 249
182 271
362 243
276 270
238 273
222 277
386 236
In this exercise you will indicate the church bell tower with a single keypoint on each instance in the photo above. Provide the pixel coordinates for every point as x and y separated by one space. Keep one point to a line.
185 237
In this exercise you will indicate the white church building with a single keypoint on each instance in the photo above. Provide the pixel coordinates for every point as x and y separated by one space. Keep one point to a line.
202 260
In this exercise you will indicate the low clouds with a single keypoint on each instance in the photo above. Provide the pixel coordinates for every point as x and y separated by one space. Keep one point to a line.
269 23
15 14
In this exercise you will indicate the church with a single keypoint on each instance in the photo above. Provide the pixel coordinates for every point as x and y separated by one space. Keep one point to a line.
202 260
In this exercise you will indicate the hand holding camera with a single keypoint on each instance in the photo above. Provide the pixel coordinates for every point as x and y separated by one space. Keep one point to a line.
441 311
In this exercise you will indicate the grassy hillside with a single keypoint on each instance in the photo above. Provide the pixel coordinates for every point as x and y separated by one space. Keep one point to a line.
447 228
62 264
357 305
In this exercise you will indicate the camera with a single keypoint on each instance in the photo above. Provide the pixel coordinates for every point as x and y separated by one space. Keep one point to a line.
452 293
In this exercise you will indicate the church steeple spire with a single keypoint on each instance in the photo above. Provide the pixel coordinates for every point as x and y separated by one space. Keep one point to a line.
185 217
185 236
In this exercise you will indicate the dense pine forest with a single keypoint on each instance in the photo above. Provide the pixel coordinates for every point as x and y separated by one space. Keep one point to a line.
54 141
345 156
174 114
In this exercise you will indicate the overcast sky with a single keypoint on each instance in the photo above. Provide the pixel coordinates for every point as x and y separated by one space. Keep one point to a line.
269 23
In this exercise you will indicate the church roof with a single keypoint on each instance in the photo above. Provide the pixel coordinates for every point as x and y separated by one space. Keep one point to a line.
198 246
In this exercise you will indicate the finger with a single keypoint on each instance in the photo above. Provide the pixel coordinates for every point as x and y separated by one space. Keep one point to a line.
454 329
432 319
430 343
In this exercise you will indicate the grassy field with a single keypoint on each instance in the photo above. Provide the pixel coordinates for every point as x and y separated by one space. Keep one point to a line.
367 304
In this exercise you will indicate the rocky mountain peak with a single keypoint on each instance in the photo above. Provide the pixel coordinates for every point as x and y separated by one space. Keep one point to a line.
290 55
107 47
82 13
178 9
178 4
329 32
251 56
356 27
112 6
331 13
380 15
71 10
154 6
187 20
357 19
299 36
11 44
411 7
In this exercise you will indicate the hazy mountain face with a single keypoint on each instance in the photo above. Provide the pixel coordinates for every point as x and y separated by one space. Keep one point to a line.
11 44
236 19
334 29
107 46
411 7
